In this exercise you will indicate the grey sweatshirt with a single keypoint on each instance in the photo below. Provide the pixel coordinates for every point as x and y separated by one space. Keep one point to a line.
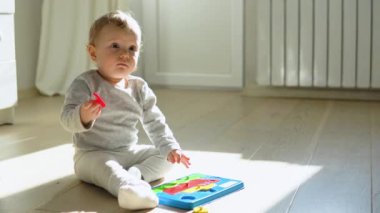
115 129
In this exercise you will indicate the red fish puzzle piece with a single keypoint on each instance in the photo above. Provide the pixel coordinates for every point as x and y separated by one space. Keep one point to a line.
99 100
190 184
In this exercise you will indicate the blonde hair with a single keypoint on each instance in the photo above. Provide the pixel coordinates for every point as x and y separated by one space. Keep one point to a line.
119 19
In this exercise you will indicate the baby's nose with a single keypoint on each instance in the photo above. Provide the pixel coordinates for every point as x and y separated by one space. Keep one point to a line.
124 55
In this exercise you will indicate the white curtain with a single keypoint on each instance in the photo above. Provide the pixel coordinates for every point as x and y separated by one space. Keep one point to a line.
64 36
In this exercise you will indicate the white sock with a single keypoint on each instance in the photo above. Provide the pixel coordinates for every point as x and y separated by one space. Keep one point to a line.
134 171
137 196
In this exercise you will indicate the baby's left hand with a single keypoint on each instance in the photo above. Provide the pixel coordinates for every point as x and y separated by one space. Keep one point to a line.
177 156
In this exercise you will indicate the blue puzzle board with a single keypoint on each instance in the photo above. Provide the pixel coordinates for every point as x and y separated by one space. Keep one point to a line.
191 196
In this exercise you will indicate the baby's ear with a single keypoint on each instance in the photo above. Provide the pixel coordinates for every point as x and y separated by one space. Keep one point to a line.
91 51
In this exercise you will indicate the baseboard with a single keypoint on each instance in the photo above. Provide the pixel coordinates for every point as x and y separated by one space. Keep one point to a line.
261 91
196 88
338 94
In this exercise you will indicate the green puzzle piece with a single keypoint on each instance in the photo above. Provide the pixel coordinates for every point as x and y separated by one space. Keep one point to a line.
174 183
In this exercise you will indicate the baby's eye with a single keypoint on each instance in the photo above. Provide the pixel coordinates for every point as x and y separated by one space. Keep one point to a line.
132 48
115 45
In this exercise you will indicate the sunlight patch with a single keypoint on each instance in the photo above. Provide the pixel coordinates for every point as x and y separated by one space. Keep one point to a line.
32 170
272 182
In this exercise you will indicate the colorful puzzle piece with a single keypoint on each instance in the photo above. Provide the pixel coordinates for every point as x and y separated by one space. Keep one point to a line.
162 187
99 100
200 209
194 190
188 185
200 188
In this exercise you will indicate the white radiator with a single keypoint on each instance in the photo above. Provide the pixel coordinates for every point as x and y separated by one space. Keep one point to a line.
318 43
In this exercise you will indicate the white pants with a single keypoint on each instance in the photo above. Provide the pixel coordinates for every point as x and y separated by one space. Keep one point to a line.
108 169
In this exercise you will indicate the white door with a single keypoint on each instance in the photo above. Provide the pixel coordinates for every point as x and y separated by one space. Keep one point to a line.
193 42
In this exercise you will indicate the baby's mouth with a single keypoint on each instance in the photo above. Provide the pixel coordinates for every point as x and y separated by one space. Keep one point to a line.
122 65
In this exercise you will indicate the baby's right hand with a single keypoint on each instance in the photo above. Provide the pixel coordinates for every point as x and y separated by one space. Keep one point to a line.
89 111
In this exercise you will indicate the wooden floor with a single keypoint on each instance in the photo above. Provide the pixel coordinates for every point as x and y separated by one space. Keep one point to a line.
294 155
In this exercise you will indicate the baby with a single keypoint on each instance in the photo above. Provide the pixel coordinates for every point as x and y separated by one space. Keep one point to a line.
105 139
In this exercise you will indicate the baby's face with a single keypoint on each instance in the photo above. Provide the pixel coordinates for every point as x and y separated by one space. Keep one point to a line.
115 52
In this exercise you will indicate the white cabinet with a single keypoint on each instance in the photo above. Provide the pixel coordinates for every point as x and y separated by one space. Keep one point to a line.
8 80
193 43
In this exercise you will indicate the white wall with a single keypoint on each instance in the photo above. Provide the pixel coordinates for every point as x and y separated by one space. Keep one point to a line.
249 42
135 6
27 33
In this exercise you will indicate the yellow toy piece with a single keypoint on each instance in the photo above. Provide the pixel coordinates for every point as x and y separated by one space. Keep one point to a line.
200 209
200 188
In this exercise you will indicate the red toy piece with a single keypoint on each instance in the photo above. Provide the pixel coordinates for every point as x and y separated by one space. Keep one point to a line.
99 100
188 185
